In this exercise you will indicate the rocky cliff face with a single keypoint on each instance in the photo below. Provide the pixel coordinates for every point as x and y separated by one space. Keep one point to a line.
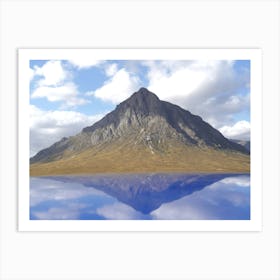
142 121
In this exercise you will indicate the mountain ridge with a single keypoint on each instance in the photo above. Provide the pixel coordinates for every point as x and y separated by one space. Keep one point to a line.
142 124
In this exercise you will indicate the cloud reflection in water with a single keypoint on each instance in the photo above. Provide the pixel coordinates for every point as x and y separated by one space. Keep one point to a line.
138 197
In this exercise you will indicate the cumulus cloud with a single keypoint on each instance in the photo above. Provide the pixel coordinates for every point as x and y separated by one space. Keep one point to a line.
226 199
53 198
67 93
84 62
111 69
119 87
119 211
182 209
45 189
240 181
57 214
52 73
55 85
47 127
206 88
238 131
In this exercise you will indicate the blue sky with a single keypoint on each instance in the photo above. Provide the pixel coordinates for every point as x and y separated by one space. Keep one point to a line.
65 95
87 79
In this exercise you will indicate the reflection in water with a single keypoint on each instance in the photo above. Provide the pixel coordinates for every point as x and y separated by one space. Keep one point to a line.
141 196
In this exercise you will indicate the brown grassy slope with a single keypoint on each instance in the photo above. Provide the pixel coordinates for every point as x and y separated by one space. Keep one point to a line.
120 158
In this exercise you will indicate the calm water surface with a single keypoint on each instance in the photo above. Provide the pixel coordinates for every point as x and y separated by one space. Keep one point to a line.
141 197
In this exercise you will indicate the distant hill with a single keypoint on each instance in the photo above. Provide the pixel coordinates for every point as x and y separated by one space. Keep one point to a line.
244 143
143 134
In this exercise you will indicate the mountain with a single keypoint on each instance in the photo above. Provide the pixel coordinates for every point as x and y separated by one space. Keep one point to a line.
143 134
244 143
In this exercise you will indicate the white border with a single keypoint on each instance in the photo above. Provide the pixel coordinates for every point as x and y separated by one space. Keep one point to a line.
254 55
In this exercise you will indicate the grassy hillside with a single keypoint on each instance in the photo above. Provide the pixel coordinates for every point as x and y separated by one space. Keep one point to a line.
122 158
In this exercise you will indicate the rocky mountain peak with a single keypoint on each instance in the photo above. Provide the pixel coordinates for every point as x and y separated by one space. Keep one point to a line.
142 101
143 93
143 122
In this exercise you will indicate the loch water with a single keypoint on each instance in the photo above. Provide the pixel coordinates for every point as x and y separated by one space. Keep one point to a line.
141 197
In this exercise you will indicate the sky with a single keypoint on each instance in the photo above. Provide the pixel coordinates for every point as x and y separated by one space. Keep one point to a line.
67 95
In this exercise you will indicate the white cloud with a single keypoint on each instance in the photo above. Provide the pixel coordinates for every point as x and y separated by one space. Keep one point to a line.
241 181
225 199
172 86
119 211
46 189
47 127
31 74
84 62
182 209
206 88
67 93
57 213
119 87
239 131
65 198
52 73
55 93
111 69
56 85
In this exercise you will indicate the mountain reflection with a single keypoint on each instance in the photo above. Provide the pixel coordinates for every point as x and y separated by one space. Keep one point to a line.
148 192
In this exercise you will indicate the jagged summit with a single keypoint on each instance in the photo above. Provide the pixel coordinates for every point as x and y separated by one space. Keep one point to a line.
140 104
142 99
143 94
143 91
143 126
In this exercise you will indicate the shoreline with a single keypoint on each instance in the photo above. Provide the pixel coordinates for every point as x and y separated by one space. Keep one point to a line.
144 173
